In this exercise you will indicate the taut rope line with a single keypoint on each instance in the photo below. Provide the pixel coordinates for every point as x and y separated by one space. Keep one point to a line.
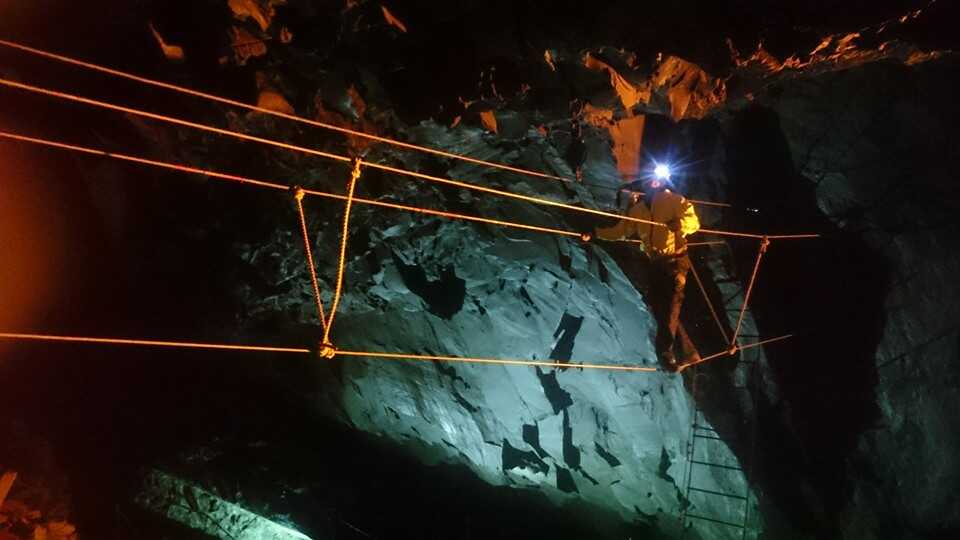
279 187
300 119
337 157
354 176
326 349
298 197
369 354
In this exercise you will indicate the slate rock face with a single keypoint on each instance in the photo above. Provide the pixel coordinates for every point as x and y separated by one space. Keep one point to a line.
611 439
877 146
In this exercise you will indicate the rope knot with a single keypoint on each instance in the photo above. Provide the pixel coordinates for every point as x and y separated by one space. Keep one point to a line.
298 193
357 162
733 350
327 350
764 244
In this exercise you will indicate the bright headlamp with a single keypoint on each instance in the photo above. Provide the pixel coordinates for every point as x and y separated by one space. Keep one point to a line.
661 172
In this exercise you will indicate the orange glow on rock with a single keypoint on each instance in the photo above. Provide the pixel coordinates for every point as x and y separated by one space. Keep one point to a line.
489 120
31 237
840 51
172 52
392 20
272 100
358 119
245 45
262 12
630 94
626 137
691 92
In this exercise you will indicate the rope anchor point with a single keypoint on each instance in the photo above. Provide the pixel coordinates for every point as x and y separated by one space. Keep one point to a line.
327 350
764 244
357 163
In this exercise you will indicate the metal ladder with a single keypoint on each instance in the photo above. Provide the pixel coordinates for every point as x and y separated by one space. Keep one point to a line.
706 437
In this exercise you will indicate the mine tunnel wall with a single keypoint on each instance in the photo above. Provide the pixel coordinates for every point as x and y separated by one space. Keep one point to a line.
829 292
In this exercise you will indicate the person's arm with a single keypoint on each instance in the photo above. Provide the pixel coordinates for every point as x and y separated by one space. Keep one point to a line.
619 231
622 229
689 222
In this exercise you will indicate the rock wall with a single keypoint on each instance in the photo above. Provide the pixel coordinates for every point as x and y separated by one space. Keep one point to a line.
876 145
838 140
614 440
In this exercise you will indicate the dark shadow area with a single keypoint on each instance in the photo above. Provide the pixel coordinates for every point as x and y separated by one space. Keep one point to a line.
444 296
830 293
110 412
558 397
150 257
567 332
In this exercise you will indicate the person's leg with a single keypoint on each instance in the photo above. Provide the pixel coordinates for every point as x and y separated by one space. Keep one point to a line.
661 292
686 351
676 271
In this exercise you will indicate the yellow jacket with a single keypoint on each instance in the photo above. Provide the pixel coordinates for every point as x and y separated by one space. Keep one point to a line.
667 206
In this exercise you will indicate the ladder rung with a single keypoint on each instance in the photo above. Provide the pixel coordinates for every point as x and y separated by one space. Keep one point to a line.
732 496
707 437
705 428
716 521
732 468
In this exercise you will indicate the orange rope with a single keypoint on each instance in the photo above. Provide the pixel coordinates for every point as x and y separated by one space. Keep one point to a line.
271 185
733 350
354 176
295 118
168 119
424 357
710 203
260 183
379 355
298 197
451 215
746 298
791 236
706 297
336 157
694 201
234 103
689 244
501 193
143 161
152 343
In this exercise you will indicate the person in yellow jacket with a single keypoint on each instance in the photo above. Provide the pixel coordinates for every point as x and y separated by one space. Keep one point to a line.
666 247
